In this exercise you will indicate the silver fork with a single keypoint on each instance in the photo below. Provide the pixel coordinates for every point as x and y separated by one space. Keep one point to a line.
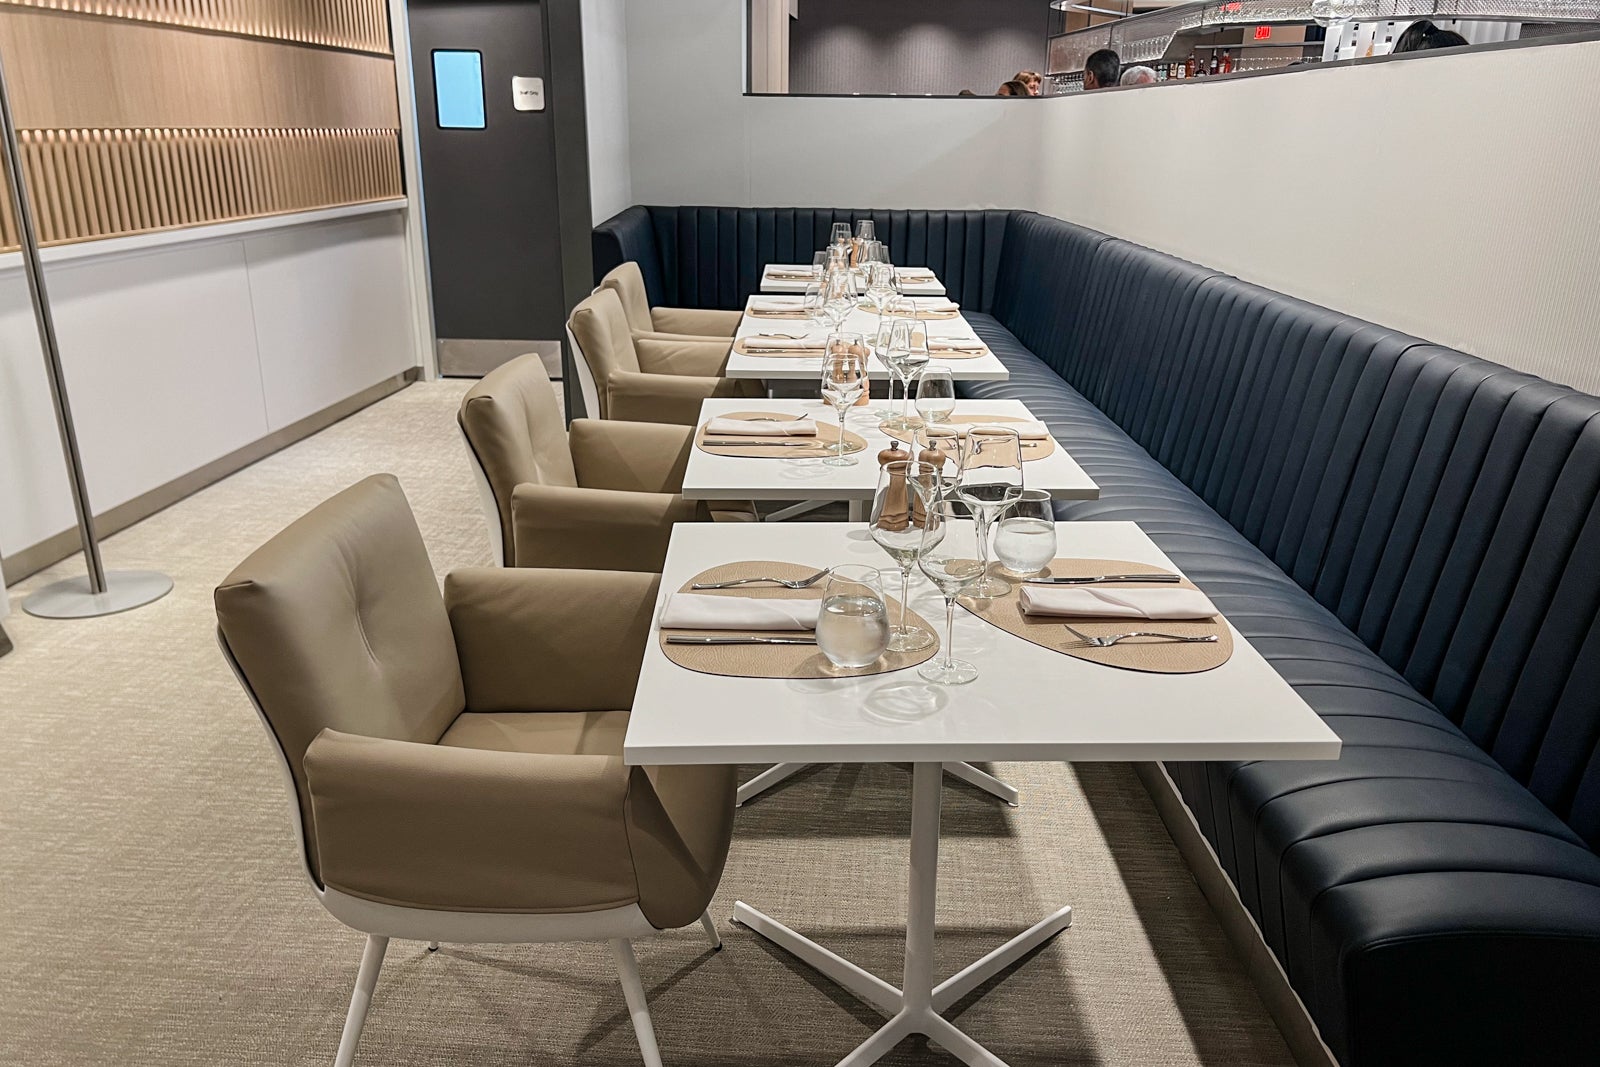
1111 639
787 583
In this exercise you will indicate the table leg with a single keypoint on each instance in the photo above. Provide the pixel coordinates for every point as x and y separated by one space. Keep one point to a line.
916 1008
858 511
784 514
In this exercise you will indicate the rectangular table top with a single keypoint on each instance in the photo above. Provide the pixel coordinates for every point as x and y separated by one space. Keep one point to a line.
1028 703
712 477
770 284
984 368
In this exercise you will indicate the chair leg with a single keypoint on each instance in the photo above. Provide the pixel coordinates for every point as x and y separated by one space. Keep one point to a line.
986 782
710 926
638 1008
361 999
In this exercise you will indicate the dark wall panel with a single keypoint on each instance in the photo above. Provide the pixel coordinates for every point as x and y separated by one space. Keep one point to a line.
914 46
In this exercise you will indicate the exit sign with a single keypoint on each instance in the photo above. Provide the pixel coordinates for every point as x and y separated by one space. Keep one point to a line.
1263 33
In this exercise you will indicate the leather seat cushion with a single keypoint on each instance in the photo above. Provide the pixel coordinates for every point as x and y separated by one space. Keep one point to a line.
551 733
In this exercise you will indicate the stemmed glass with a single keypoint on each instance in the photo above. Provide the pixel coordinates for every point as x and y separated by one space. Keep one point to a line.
989 481
838 295
914 359
853 625
881 286
936 394
894 348
950 561
841 235
899 515
866 230
844 378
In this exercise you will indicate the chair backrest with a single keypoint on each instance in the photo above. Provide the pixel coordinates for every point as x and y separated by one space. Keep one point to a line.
515 435
599 327
627 281
337 623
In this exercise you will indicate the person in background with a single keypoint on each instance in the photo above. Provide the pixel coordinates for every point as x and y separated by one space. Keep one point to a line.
1100 70
966 92
1137 76
1423 35
1013 88
1030 78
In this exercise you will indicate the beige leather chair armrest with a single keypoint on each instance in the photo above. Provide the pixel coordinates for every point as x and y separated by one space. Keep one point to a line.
600 529
642 457
680 356
705 322
634 397
550 640
463 829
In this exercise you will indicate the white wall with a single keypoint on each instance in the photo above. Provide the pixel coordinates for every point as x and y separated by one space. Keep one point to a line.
605 83
1452 197
182 348
696 139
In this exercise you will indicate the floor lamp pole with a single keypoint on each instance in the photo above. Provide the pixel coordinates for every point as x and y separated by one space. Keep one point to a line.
99 593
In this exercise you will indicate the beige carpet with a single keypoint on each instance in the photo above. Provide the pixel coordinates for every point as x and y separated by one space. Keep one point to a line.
152 910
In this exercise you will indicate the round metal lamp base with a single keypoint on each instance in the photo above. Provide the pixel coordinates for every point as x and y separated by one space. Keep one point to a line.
72 598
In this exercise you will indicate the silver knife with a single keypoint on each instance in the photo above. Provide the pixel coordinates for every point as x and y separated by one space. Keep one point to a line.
756 442
1165 578
683 639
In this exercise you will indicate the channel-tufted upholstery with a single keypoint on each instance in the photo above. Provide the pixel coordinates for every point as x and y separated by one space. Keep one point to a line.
712 257
1412 537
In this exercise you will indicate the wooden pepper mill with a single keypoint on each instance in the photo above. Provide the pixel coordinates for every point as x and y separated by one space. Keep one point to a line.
896 513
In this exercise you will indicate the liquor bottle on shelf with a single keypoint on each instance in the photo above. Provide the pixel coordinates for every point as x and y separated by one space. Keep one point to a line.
1215 66
1188 66
1227 61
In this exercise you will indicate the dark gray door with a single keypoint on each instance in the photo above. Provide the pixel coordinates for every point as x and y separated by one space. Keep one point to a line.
494 237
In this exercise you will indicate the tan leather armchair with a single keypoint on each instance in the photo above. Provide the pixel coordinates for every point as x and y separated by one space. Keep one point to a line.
663 322
455 763
603 495
649 379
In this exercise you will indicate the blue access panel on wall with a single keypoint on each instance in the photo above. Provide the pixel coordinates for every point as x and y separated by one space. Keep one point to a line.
458 89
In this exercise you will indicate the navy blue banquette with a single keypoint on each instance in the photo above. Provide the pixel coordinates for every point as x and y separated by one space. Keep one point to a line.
1410 535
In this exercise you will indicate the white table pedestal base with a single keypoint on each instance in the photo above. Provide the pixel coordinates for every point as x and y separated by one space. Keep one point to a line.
916 1007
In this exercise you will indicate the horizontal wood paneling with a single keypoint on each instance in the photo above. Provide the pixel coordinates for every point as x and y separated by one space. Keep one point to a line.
70 72
357 24
88 184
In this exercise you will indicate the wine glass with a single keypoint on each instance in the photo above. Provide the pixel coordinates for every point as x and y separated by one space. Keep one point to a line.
880 284
911 363
838 296
899 514
819 262
853 625
866 230
841 235
936 394
1025 536
947 440
950 560
894 350
815 306
989 480
844 379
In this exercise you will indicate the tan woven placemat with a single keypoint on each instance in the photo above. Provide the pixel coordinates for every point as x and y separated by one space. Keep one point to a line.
825 441
781 661
1153 657
750 346
1031 449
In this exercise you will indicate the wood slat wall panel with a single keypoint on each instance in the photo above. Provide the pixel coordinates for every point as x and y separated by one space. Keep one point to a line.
362 25
75 73
92 184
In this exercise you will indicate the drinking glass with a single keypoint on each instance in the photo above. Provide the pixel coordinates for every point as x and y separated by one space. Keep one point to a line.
1025 536
989 481
841 235
912 363
950 561
936 394
816 309
844 378
853 625
895 350
838 295
947 439
866 230
819 262
899 514
880 284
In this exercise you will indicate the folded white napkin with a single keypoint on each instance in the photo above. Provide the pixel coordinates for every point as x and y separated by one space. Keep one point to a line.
935 304
777 305
791 272
1118 603
1028 431
955 344
914 272
806 427
698 611
764 341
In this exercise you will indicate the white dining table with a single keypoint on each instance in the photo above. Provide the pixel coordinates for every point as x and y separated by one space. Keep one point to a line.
984 368
713 477
913 280
1028 703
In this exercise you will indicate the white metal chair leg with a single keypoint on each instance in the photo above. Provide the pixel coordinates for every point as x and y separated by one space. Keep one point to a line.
361 999
767 779
984 781
638 1008
709 925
